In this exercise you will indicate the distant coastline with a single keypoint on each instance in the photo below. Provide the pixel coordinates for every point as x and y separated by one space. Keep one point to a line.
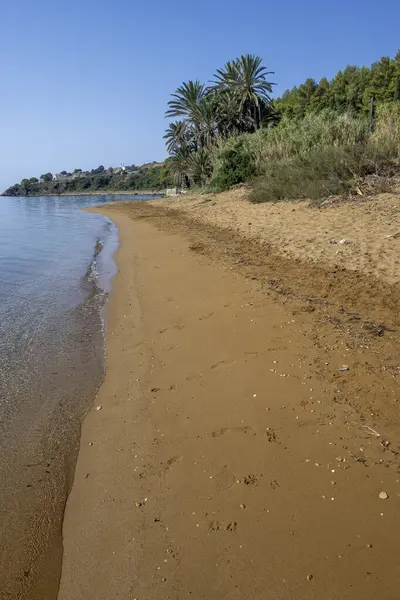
98 193
112 192
155 193
150 179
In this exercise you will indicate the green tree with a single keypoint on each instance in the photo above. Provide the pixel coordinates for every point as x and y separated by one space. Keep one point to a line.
382 83
396 86
178 134
304 96
321 98
178 166
185 100
46 177
34 180
246 80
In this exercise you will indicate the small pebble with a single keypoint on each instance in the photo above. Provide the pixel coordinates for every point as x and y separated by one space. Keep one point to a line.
138 504
310 577
242 505
383 496
90 443
99 407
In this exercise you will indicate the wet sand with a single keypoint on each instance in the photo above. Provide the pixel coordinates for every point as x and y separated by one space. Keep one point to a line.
230 456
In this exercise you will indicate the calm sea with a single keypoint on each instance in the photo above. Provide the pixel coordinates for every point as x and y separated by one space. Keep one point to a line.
53 288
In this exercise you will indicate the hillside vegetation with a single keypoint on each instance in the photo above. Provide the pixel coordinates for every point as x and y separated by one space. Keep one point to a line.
152 176
316 140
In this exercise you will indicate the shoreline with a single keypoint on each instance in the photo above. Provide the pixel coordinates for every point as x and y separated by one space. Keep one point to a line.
207 471
95 193
115 193
51 368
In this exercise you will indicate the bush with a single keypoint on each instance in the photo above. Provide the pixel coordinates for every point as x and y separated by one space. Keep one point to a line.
243 157
387 127
322 173
294 137
234 162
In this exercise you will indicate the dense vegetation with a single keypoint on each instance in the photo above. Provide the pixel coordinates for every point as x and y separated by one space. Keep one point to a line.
316 140
351 90
153 176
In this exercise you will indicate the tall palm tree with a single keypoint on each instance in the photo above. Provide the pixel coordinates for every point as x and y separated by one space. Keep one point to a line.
205 125
178 165
229 116
199 167
185 99
246 79
177 135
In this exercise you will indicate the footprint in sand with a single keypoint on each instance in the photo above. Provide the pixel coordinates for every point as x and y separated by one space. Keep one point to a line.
223 430
224 479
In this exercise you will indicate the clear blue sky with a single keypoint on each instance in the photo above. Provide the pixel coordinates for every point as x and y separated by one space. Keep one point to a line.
86 82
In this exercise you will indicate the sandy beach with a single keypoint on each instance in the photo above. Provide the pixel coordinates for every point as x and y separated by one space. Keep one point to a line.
246 440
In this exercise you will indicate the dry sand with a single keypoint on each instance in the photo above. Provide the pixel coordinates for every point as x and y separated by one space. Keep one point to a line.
231 457
371 228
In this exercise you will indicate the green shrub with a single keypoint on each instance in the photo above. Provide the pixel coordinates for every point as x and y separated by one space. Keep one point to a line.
387 127
234 162
240 158
322 173
300 136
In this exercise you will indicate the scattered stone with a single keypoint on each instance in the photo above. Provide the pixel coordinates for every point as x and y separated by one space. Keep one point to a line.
242 505
99 407
90 443
383 496
344 368
310 577
340 459
369 545
155 389
163 579
138 504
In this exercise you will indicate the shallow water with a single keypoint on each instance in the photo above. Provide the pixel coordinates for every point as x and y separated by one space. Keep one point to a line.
53 287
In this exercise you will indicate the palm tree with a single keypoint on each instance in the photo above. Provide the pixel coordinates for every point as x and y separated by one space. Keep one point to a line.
229 116
178 166
204 122
245 79
190 100
185 99
199 167
176 135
